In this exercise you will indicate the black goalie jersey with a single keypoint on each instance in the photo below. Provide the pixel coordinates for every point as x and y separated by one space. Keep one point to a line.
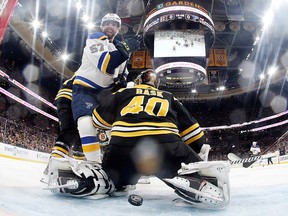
140 111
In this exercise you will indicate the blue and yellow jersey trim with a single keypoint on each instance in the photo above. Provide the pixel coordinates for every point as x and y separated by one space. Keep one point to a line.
79 80
104 61
98 35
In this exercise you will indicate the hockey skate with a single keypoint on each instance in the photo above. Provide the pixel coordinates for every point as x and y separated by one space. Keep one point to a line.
69 185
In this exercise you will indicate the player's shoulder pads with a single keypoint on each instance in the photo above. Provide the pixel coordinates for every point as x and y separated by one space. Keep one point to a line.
98 35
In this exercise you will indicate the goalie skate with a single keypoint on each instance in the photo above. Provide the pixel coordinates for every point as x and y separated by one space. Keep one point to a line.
73 186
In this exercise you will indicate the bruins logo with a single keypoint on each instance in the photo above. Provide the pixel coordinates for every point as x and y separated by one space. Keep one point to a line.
102 136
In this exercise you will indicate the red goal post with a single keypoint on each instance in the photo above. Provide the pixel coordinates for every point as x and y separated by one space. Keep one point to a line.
6 9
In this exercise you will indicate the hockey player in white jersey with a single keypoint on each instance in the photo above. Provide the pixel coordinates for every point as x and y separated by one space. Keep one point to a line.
103 61
255 149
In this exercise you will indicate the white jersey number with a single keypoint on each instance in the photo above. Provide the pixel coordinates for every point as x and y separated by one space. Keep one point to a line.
96 48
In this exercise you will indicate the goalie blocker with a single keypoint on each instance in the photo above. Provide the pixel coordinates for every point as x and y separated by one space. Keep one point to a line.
203 184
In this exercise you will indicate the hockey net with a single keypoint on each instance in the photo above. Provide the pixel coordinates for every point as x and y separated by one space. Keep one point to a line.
6 9
277 143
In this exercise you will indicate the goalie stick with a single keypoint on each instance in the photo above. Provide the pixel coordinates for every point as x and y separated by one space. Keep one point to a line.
247 162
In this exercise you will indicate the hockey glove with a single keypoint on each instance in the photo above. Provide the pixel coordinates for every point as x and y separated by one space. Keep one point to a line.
134 43
119 83
128 46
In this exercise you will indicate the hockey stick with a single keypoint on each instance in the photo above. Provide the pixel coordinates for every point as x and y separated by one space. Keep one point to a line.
136 34
247 162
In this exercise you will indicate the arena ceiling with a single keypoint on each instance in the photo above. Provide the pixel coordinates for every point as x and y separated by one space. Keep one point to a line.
253 46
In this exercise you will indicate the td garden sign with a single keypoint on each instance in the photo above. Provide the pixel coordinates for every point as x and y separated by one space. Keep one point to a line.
179 3
171 10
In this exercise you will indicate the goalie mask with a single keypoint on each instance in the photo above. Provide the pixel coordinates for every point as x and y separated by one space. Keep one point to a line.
110 17
148 77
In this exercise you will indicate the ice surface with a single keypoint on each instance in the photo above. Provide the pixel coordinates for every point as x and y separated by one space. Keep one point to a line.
258 191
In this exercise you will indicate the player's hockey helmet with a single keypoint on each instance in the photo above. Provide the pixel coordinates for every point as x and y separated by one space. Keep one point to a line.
111 17
148 77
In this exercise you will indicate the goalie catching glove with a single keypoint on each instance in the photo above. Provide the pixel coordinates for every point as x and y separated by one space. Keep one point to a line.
203 184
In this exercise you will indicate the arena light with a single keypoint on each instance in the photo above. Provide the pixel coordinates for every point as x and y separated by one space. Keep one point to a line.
78 5
249 26
44 34
220 88
234 26
65 57
220 26
272 70
262 76
267 19
90 25
249 123
36 24
85 18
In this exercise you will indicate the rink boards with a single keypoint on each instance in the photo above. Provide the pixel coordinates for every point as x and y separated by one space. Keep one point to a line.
18 153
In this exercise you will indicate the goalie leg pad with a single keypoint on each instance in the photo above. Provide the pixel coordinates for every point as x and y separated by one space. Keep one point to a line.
60 150
197 191
81 178
204 152
217 169
208 188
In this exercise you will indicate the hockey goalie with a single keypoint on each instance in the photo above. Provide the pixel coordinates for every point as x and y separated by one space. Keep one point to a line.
204 184
151 134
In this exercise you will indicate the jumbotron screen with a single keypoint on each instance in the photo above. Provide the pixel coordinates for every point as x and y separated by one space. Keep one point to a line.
179 43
